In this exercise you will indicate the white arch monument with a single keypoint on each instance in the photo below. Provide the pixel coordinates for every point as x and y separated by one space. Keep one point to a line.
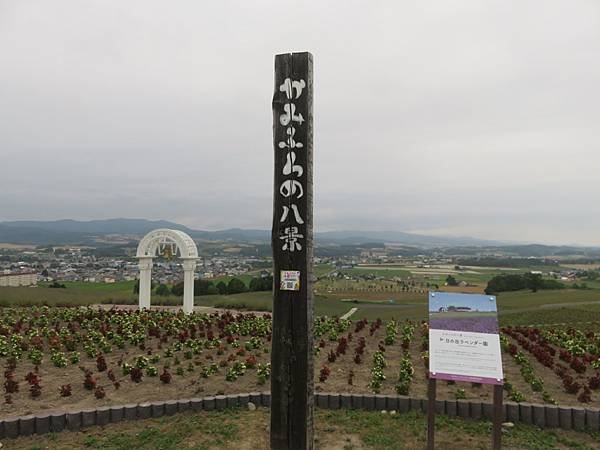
148 249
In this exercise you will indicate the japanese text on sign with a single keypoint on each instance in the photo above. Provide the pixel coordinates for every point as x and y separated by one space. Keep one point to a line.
291 188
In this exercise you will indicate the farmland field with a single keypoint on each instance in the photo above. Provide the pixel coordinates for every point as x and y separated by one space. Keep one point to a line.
80 357
514 308
383 349
473 322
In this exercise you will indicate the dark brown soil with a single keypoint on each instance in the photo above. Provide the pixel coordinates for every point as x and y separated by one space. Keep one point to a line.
191 384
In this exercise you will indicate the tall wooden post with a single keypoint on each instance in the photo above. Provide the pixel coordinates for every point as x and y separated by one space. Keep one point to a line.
497 418
292 243
431 395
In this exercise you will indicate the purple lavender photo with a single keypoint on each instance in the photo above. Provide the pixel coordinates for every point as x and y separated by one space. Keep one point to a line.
463 312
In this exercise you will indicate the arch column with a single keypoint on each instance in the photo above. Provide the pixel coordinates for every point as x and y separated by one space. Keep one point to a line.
189 266
145 266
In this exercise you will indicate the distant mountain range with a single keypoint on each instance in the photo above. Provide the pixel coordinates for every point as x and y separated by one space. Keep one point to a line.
74 231
95 232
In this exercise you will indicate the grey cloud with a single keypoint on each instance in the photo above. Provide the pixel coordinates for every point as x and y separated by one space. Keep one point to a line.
463 117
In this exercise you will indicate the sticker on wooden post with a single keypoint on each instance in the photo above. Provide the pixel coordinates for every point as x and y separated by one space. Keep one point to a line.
290 280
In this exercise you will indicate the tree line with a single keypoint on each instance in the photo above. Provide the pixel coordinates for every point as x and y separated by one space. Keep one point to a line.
207 287
517 282
506 262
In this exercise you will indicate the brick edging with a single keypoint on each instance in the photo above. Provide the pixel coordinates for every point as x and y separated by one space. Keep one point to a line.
543 416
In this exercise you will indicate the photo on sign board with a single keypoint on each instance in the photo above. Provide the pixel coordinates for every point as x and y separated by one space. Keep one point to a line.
463 312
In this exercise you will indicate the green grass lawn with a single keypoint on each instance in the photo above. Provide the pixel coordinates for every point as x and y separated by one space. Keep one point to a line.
322 269
387 272
120 286
515 308
341 429
74 294
519 300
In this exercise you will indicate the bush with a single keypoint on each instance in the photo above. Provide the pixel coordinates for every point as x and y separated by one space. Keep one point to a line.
163 290
236 286
517 282
221 288
261 284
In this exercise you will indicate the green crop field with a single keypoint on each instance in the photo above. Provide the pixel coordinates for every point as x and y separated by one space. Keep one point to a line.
383 271
119 287
372 298
322 269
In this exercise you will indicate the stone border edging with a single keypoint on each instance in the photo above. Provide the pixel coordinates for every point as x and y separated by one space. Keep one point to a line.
543 416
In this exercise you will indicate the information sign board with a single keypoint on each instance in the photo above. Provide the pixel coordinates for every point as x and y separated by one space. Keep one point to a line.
464 344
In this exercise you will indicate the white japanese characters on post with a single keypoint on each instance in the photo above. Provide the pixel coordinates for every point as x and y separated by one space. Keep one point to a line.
291 188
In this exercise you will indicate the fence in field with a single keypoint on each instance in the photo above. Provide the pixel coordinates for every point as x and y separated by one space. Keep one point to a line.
543 416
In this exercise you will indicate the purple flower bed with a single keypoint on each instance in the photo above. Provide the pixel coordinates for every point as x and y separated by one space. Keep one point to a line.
478 324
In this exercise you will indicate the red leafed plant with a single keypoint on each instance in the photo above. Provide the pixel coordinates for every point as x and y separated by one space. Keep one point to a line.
37 342
101 363
165 376
571 386
54 341
594 382
10 384
35 389
332 356
585 396
136 374
341 347
111 375
565 355
89 382
99 392
324 374
65 390
31 377
251 362
360 348
578 365
360 325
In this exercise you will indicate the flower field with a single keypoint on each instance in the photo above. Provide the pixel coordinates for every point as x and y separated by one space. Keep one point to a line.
477 323
73 358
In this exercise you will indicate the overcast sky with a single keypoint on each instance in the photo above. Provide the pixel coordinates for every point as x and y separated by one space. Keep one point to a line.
477 118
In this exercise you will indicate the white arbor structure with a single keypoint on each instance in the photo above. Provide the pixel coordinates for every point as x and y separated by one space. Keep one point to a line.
156 243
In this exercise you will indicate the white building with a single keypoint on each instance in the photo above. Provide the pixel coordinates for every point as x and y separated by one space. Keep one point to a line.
18 279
